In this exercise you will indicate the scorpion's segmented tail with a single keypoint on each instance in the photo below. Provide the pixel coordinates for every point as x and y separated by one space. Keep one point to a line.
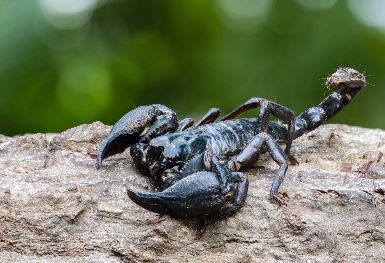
345 83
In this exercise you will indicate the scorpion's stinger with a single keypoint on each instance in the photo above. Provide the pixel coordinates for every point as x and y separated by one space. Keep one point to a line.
345 83
129 129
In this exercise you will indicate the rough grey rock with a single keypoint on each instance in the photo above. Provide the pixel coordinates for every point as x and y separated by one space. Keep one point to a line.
56 207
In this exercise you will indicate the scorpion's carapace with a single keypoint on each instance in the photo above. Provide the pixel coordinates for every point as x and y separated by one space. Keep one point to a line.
198 165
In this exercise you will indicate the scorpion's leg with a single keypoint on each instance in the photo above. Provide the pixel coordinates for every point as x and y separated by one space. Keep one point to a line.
185 124
266 108
251 152
216 192
276 109
129 129
209 117
280 158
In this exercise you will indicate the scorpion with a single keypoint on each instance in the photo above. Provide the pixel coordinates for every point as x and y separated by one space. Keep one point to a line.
199 165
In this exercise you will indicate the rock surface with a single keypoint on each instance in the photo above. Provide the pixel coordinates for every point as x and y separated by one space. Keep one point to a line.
56 207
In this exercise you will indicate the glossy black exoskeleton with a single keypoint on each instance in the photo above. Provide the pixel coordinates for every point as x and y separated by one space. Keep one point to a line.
199 165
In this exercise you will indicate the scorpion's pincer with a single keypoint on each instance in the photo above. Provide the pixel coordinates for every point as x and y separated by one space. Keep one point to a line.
195 195
130 129
198 194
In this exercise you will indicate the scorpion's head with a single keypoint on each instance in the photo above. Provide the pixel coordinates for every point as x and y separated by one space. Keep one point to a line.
167 151
345 78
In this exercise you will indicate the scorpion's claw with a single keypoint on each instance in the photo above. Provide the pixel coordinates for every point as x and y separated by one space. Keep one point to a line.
195 195
129 129
277 199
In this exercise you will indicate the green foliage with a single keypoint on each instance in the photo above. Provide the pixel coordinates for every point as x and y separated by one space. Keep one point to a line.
58 71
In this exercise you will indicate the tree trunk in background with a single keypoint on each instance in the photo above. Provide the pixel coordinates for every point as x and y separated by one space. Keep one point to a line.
56 207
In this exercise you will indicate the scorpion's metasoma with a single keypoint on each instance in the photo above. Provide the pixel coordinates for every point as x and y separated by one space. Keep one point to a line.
198 164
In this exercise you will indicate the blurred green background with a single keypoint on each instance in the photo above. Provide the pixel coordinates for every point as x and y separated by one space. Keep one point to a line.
69 62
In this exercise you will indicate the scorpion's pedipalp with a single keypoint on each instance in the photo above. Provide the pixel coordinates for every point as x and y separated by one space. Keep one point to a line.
195 164
195 195
167 122
129 128
150 201
204 193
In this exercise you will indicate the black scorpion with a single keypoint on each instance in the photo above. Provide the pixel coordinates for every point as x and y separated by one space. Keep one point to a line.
199 165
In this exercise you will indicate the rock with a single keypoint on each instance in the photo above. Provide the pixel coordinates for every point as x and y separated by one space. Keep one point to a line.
56 207
377 170
374 156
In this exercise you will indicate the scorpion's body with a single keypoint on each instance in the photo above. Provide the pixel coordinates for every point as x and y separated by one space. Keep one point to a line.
224 139
227 138
199 165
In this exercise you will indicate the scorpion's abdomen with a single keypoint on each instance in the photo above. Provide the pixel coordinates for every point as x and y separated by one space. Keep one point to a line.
230 137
